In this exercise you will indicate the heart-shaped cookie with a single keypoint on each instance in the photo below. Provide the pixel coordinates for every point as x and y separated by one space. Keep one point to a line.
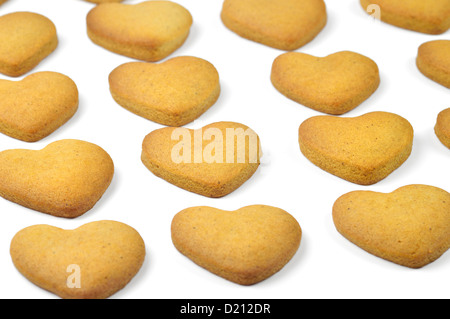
25 40
431 17
212 161
334 84
281 24
410 226
65 179
148 31
442 127
433 60
362 150
36 106
244 246
93 261
173 93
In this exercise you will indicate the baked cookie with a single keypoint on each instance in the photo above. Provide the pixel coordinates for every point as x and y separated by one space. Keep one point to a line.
212 161
65 179
334 84
26 39
410 226
433 60
281 24
36 106
93 261
442 127
431 17
2 1
173 93
148 31
244 246
362 150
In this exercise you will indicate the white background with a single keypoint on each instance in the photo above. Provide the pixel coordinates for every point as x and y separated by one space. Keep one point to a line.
326 265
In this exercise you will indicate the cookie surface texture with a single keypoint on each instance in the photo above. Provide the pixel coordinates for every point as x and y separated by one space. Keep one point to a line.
430 17
26 39
36 106
442 127
244 246
362 150
93 261
212 161
334 84
281 24
148 31
64 179
410 226
433 60
172 93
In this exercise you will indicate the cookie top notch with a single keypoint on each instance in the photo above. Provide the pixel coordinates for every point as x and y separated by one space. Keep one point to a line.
26 39
363 150
93 261
37 105
174 92
409 226
245 246
281 24
430 17
147 31
334 84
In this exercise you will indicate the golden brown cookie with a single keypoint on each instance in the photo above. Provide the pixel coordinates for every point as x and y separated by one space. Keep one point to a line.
433 60
410 226
245 246
281 24
442 127
173 93
65 179
148 31
26 39
2 1
212 161
334 84
36 106
432 17
93 261
362 150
